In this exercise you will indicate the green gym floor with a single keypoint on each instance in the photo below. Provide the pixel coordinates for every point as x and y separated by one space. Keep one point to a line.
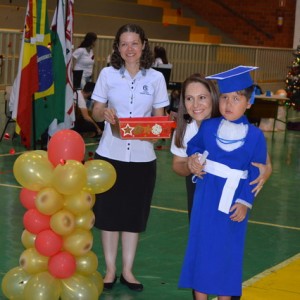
272 255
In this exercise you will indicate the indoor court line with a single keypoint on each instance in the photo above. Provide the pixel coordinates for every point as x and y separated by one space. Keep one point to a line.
11 185
9 154
169 209
274 225
252 222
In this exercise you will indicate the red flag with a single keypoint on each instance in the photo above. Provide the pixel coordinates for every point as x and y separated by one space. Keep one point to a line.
26 82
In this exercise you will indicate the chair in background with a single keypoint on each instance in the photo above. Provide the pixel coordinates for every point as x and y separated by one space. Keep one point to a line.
166 71
77 76
8 113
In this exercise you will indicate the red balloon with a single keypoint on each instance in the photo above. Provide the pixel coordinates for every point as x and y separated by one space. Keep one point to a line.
65 145
27 198
48 243
62 265
35 222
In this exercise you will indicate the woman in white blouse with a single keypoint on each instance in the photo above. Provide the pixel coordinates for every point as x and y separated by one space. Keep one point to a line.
84 57
127 88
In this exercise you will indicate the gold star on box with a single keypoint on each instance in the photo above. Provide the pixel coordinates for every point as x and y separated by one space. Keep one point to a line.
127 129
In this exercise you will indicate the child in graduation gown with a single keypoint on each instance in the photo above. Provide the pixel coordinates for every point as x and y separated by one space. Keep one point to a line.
223 197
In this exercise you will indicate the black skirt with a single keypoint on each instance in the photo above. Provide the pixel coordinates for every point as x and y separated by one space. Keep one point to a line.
126 206
190 189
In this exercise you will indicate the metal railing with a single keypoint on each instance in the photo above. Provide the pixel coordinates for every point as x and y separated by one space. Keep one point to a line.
186 57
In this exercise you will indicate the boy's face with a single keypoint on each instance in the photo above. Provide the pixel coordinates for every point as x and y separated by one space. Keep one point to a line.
233 105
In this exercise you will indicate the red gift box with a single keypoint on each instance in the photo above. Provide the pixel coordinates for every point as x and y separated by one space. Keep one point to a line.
143 128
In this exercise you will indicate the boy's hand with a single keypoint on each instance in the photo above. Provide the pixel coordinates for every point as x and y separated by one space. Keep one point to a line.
239 212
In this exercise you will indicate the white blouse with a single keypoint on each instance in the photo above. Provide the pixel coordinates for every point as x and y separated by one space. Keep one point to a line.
191 130
130 97
84 61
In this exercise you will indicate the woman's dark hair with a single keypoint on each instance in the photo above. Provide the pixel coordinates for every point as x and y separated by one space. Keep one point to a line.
89 39
183 118
146 59
161 53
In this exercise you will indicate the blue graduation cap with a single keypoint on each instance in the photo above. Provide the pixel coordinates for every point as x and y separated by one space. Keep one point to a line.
234 80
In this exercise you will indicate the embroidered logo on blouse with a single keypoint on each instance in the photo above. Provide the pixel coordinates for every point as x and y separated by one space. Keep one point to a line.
145 90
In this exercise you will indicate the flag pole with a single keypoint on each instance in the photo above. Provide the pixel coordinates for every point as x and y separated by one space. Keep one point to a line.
33 124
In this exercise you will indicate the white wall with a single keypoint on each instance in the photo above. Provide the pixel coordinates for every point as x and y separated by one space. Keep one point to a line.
297 26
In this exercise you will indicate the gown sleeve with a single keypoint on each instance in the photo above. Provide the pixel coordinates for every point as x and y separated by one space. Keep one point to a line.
260 156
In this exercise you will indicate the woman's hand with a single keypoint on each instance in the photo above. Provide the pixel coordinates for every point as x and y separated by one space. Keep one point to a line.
110 115
240 212
99 131
194 165
265 172
173 115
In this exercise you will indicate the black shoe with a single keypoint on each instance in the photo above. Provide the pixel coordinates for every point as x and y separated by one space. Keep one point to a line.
110 285
138 287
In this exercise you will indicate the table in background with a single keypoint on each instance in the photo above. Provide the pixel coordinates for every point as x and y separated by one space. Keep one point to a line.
267 107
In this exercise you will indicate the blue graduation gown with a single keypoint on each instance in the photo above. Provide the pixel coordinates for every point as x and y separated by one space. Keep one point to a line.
214 254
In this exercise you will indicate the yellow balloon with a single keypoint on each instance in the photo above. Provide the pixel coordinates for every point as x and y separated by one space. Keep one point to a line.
101 176
79 242
69 178
97 278
78 287
80 202
42 286
41 153
48 201
28 239
13 283
85 220
87 264
62 222
32 262
33 171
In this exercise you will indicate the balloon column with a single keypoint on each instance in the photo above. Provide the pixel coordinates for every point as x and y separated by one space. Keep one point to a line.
58 192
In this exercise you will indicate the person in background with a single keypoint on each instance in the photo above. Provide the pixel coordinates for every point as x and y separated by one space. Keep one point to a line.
84 123
172 109
160 56
84 57
108 59
127 88
223 197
